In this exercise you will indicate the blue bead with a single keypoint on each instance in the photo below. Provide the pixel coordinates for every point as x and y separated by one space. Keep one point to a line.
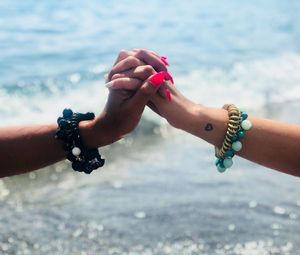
101 162
63 123
241 134
67 113
90 115
217 162
244 115
60 134
221 169
234 138
59 119
77 166
230 153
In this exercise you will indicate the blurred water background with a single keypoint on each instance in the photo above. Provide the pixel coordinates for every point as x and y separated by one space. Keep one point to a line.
159 192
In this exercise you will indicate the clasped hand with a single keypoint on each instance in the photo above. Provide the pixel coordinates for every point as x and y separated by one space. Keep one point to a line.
139 78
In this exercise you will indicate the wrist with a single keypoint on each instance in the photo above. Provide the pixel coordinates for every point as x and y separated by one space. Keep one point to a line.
193 115
183 113
95 133
207 123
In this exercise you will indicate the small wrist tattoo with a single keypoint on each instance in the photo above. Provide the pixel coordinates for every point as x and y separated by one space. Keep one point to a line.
209 127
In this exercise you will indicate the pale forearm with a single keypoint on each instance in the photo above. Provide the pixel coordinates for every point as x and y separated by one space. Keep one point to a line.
270 143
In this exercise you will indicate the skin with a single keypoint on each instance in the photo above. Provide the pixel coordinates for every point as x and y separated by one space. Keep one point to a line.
270 143
27 148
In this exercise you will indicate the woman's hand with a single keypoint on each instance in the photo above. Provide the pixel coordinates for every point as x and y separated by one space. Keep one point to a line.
127 60
124 109
129 92
168 102
152 63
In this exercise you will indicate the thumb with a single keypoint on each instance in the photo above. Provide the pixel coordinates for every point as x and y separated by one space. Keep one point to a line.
148 89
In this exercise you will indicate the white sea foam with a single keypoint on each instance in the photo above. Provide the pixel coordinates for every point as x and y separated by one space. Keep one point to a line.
249 84
39 108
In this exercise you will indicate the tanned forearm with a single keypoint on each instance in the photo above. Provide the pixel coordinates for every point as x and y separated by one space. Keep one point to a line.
27 148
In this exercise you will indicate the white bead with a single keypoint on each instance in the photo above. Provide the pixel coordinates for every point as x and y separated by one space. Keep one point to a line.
237 146
246 124
228 162
76 151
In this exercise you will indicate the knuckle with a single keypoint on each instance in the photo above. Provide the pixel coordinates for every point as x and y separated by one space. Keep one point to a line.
148 69
146 90
141 52
123 53
131 59
115 76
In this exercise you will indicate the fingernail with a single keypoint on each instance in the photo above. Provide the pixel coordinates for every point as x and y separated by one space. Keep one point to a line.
106 77
109 84
168 95
157 79
164 60
169 77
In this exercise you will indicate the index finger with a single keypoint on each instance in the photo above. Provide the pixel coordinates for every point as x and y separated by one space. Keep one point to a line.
122 55
151 59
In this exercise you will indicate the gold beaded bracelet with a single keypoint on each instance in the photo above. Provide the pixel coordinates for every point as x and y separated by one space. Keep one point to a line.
234 123
238 124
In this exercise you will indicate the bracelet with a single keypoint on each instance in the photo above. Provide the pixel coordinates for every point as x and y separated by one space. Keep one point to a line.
83 159
238 124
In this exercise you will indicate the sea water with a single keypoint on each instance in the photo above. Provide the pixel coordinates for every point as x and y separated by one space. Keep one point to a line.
159 192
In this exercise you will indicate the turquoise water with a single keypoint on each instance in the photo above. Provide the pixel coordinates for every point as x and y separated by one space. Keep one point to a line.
159 192
51 50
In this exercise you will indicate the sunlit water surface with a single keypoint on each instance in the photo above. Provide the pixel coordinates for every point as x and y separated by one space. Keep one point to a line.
159 192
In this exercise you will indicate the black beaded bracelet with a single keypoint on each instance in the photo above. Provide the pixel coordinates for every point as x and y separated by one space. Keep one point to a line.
83 159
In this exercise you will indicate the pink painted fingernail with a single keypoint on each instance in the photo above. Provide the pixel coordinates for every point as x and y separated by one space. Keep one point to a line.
157 79
164 60
168 95
169 77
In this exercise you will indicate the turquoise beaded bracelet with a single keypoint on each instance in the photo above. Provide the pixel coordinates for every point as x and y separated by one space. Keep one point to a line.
237 126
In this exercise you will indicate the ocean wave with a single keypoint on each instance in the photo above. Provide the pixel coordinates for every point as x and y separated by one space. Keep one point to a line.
251 84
